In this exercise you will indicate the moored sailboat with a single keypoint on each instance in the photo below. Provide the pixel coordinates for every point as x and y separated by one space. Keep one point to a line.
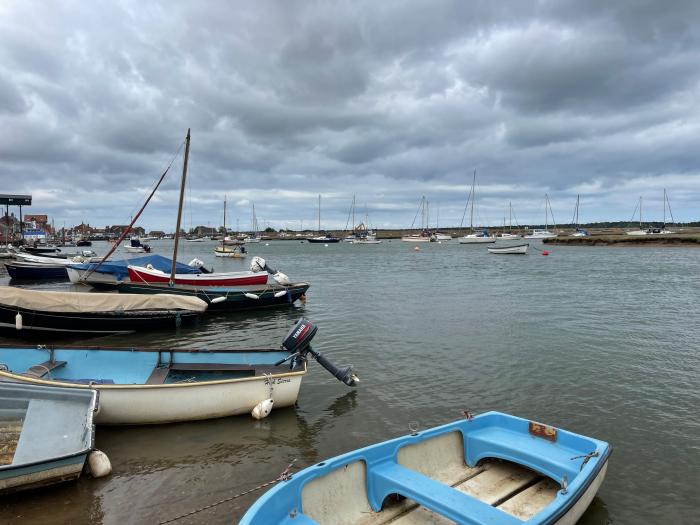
478 237
544 233
325 238
425 235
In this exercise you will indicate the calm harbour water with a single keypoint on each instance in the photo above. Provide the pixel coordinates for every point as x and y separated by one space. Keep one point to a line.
601 341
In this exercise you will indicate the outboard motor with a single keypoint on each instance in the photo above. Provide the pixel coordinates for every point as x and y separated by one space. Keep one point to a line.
298 343
258 264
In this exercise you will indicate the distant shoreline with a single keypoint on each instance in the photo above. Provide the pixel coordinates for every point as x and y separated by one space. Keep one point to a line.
654 240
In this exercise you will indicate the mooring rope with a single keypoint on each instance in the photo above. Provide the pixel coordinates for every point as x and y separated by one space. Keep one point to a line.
284 476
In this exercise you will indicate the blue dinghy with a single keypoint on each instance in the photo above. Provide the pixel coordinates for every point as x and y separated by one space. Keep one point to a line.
492 469
45 434
114 272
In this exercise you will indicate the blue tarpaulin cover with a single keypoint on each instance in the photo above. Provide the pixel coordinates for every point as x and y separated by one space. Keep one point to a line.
119 267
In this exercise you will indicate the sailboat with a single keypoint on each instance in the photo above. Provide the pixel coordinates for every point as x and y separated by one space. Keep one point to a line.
322 239
424 235
140 274
580 232
544 234
652 230
508 235
361 234
438 235
253 237
480 237
223 250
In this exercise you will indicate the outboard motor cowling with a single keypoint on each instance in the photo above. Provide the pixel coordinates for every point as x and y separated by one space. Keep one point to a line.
300 336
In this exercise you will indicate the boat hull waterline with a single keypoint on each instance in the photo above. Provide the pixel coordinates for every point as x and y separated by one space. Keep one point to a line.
519 249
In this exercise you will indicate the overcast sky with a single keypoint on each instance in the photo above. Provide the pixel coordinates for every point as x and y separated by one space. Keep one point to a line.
383 99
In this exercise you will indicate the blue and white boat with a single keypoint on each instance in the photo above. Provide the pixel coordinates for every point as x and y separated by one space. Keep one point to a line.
45 434
112 273
491 469
140 386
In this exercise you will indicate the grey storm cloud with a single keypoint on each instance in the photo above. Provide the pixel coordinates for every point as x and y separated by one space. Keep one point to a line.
389 100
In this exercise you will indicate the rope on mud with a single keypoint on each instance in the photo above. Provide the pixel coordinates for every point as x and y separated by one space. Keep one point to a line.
284 476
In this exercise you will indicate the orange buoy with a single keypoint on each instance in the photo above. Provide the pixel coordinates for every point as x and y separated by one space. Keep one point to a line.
545 252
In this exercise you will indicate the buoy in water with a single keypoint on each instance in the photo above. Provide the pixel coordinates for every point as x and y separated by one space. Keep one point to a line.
416 249
325 246
545 252
18 321
262 409
99 464
267 244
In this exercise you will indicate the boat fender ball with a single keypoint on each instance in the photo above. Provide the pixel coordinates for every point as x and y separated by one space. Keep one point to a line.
262 409
99 464
18 321
545 252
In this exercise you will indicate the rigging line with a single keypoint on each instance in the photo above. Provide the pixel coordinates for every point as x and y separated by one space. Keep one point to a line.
417 212
133 221
634 212
673 221
466 206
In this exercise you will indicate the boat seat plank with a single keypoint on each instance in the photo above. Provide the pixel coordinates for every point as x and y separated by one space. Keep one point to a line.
44 368
158 375
531 500
388 478
498 482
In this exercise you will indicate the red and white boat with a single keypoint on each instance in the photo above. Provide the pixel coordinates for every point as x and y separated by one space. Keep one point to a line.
139 274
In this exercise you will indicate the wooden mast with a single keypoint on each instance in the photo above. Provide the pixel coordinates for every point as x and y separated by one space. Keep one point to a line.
179 208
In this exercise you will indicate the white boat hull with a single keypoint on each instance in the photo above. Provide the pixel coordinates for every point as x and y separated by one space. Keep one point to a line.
520 249
443 237
476 240
135 249
76 277
170 403
410 238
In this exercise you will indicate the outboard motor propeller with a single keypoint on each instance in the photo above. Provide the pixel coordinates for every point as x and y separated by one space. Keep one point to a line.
298 343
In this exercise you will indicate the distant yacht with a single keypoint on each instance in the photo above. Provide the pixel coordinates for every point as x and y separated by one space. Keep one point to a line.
479 237
322 239
580 232
652 230
509 235
544 234
424 235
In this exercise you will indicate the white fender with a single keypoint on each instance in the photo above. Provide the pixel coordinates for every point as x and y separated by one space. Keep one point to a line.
217 300
251 295
99 464
262 409
281 293
18 321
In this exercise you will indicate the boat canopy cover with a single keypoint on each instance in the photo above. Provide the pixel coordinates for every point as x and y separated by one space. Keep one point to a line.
76 302
119 267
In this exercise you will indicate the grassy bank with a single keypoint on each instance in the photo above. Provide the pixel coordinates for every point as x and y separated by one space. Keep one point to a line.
678 239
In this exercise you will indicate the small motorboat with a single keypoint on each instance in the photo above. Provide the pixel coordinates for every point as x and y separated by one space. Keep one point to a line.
83 242
520 249
493 468
46 434
323 239
23 270
135 246
228 298
140 386
41 249
34 313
